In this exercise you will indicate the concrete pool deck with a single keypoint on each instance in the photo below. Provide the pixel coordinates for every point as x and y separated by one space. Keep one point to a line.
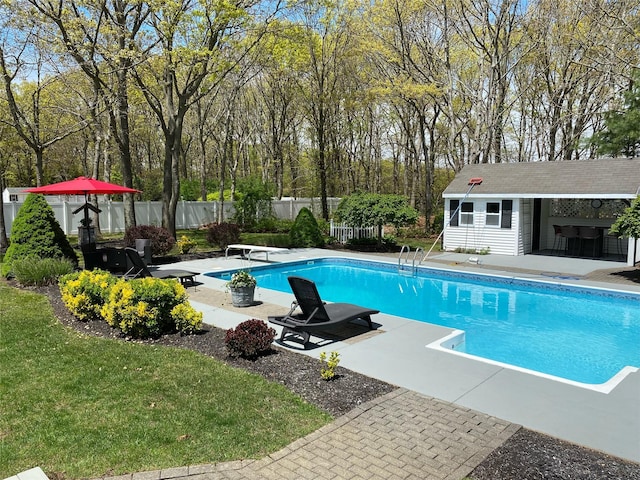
609 422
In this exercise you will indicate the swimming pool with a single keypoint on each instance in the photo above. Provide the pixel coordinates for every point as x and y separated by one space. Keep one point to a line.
580 334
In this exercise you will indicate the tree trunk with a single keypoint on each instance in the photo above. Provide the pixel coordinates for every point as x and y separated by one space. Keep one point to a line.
121 133
4 241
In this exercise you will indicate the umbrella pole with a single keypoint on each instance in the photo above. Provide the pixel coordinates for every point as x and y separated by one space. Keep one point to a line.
91 245
86 210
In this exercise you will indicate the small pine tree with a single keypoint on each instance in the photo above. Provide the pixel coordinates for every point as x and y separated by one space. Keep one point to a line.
35 231
305 231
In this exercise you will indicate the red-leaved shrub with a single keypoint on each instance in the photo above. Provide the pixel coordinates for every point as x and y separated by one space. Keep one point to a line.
223 234
161 240
249 339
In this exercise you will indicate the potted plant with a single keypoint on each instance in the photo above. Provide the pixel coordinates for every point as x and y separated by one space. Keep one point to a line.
242 286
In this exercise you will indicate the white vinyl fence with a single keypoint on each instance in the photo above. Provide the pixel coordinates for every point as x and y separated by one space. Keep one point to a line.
188 214
342 233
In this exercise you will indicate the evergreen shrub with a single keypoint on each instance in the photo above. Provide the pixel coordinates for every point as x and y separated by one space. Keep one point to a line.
35 231
305 231
161 239
250 339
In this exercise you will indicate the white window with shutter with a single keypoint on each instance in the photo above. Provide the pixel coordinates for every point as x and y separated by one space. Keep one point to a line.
493 214
466 214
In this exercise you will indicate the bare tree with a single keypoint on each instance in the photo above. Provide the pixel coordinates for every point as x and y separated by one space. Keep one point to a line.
196 56
88 31
27 115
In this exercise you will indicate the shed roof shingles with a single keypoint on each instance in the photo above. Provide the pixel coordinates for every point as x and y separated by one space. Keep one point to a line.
606 177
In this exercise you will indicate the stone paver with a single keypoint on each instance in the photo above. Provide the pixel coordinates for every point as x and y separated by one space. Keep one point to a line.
403 435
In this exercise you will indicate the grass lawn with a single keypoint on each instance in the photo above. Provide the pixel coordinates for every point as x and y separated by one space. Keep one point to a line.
85 407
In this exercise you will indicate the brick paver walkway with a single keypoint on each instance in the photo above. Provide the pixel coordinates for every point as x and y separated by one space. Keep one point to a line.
403 435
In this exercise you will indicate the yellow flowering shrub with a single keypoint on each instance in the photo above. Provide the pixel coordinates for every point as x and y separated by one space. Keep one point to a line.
185 244
187 319
85 292
149 307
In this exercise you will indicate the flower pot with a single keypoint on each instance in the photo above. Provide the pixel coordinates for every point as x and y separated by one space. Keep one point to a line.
242 296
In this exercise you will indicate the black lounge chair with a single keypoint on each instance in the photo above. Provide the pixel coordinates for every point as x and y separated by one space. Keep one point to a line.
140 270
316 316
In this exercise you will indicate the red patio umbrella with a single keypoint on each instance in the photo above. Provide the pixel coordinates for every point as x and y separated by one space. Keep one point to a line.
82 185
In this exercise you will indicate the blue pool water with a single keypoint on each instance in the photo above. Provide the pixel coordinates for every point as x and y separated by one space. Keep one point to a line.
584 335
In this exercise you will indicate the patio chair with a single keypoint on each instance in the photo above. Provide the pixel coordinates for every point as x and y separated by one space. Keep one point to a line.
571 234
589 234
316 315
140 270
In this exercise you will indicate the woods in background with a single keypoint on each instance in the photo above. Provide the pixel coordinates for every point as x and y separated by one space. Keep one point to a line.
185 99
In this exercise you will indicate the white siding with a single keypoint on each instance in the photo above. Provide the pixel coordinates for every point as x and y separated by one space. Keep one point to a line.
480 236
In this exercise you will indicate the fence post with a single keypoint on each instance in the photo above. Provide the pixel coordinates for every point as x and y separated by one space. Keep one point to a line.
109 217
65 216
184 217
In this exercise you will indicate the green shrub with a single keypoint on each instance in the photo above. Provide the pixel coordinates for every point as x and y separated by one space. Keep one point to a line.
305 231
388 243
438 221
86 292
324 226
161 240
145 307
362 242
35 231
273 225
249 339
223 234
33 270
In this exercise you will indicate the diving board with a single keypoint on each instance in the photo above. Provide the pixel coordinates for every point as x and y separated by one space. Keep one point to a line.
248 250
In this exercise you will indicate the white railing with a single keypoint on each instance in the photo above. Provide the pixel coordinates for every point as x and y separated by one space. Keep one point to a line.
188 214
342 233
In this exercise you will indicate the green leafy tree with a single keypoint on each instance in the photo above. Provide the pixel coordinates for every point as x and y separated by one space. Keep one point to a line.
36 231
375 209
622 133
253 201
628 224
